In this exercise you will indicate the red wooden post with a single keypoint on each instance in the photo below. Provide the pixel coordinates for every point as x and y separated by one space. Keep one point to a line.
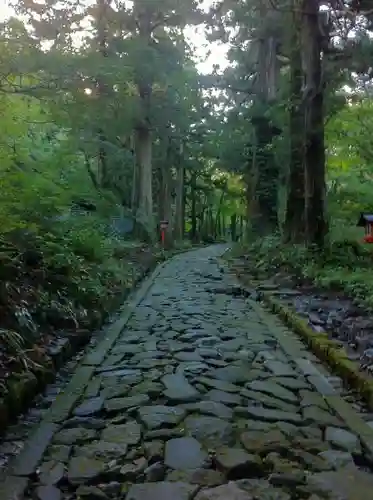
163 226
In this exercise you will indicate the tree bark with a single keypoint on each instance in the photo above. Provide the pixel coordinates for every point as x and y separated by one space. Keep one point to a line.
316 224
144 210
180 200
193 199
294 225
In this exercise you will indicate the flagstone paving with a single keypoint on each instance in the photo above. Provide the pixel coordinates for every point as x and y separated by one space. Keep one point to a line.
200 395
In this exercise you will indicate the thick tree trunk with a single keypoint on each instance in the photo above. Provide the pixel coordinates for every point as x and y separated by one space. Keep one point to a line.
265 172
144 212
234 227
180 201
316 224
294 225
165 199
193 199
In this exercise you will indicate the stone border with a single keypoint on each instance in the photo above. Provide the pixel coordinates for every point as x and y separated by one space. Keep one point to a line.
326 349
14 482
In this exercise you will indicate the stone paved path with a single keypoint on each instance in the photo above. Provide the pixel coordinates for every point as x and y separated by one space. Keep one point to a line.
201 396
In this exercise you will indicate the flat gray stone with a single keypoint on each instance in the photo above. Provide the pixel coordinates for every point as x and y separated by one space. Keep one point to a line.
342 439
30 457
291 383
220 385
51 472
322 385
82 470
129 433
226 398
236 460
48 492
209 430
162 491
279 369
270 415
228 491
89 407
210 408
233 374
76 435
115 405
276 390
157 416
188 356
267 400
105 450
184 453
179 389
337 459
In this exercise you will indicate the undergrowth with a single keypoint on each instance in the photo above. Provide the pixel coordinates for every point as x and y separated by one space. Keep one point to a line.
345 264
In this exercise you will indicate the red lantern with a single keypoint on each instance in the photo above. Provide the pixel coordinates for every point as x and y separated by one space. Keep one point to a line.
366 221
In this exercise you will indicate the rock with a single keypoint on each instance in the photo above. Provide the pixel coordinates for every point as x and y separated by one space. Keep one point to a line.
237 463
233 374
152 389
209 430
314 414
290 479
262 443
164 434
210 408
224 492
273 415
59 452
279 369
156 472
342 439
129 472
220 385
312 398
87 422
91 493
337 459
129 433
74 436
188 356
202 477
116 391
115 405
83 469
157 416
223 397
311 462
184 453
47 493
154 451
261 489
269 401
344 484
103 450
291 383
273 389
89 407
162 491
178 388
51 472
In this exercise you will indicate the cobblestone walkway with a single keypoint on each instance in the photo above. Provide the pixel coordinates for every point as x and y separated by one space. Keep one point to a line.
201 395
